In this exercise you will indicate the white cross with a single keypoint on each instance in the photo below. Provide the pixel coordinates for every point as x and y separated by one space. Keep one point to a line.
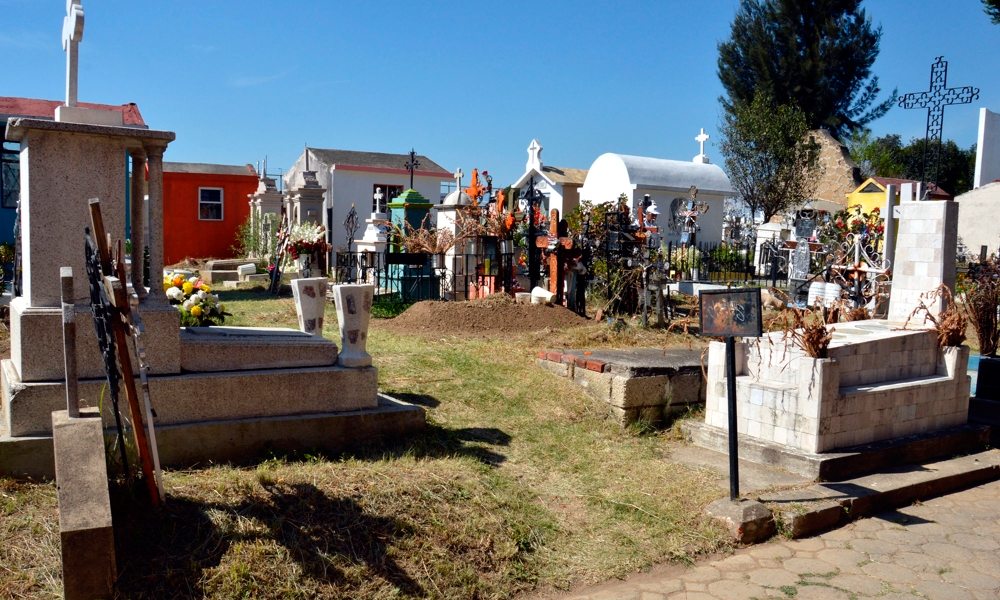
71 37
702 139
534 156
458 178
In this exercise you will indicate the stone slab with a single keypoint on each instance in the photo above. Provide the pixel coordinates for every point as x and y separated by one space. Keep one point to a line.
227 264
849 462
85 527
239 440
211 349
643 362
218 276
199 397
37 345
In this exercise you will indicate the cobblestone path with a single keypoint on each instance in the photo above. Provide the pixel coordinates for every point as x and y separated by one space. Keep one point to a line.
945 549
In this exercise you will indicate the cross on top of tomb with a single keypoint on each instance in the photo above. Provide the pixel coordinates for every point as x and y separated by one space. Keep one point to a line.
72 35
701 139
458 178
934 100
412 165
534 156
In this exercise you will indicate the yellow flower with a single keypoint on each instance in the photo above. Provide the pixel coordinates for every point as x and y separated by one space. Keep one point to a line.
196 311
166 285
222 307
188 287
205 288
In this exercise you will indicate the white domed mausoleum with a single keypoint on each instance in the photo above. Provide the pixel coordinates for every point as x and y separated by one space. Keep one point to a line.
668 183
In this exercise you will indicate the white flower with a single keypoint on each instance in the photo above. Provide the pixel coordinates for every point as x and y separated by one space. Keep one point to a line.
202 294
193 280
188 304
175 293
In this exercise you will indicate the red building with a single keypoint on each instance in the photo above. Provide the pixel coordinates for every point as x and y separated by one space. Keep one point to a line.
203 208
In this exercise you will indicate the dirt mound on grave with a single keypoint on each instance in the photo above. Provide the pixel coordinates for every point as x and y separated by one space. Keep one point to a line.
495 314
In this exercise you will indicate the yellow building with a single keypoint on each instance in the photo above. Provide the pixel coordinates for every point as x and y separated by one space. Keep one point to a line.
871 193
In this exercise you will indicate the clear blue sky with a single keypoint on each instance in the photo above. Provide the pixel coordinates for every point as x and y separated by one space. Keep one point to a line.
469 84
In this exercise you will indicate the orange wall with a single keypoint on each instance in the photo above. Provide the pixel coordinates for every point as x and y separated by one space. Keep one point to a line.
186 236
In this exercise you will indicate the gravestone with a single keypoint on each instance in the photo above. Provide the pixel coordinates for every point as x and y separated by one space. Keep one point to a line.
926 244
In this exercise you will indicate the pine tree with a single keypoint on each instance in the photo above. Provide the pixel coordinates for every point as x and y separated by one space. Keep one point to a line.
992 8
814 54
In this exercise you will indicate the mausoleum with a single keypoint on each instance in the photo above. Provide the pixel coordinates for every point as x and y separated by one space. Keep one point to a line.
559 185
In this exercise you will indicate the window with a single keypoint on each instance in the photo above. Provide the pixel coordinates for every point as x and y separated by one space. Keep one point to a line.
388 193
210 204
10 177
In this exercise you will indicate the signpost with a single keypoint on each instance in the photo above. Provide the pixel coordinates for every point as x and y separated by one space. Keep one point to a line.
729 314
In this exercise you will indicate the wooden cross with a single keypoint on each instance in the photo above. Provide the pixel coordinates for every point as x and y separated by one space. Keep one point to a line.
558 243
412 165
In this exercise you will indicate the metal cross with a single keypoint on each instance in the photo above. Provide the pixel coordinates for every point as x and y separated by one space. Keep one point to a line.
351 225
934 100
412 165
72 35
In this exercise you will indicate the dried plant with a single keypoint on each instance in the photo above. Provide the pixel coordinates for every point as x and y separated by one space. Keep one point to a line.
475 221
424 238
858 313
981 299
949 324
804 328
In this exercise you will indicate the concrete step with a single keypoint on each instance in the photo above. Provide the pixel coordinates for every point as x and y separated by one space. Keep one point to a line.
806 511
212 349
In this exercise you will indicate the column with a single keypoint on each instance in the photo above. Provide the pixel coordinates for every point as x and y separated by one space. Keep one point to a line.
154 153
137 217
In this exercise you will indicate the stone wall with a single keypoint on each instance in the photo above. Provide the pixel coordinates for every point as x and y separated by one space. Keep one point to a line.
840 174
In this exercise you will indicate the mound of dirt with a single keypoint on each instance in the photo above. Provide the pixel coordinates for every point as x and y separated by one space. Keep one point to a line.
497 313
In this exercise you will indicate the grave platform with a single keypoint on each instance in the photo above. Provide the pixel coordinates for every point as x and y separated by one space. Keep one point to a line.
239 440
637 383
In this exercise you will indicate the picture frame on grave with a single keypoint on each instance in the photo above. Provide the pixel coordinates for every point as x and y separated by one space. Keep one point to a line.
731 313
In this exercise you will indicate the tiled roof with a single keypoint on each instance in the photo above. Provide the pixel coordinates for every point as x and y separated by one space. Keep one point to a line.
563 175
379 160
208 169
46 109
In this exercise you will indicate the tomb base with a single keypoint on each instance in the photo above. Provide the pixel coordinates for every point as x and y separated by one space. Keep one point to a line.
239 440
36 346
197 397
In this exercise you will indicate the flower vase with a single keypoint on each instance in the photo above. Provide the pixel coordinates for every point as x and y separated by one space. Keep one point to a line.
354 307
310 302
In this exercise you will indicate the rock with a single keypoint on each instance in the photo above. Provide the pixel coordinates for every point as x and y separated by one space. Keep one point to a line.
748 521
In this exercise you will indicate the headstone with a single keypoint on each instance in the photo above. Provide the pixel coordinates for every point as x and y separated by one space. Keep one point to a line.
804 228
926 244
800 261
987 148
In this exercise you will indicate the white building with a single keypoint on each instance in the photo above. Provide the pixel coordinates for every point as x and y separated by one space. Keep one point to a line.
351 177
561 186
977 211
668 183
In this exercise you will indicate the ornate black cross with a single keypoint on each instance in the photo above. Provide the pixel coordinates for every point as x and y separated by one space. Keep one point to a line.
412 165
934 100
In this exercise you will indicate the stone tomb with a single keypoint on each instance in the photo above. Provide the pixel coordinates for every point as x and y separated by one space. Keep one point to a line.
637 383
879 382
249 387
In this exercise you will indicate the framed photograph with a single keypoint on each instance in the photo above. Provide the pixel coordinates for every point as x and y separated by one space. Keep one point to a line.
731 313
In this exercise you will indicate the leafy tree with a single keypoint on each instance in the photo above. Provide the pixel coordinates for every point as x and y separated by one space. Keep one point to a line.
771 160
875 157
815 54
992 8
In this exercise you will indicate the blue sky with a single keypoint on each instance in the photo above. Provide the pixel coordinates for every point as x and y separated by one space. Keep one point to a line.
469 84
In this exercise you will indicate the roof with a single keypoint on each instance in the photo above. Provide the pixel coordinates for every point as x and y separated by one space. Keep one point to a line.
457 198
660 173
564 175
935 190
378 160
46 109
208 169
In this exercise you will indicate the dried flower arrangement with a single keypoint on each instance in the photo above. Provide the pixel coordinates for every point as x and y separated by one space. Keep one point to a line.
981 297
424 238
949 324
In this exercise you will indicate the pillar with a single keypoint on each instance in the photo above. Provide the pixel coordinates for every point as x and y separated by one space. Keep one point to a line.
154 152
138 218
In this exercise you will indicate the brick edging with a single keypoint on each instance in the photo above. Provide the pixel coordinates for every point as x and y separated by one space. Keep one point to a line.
581 362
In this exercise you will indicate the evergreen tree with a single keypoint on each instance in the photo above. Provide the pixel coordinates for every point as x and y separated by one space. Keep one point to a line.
992 8
815 54
958 166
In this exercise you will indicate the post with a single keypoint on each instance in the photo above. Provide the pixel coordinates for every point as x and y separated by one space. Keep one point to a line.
155 161
137 217
69 342
734 465
983 253
889 241
532 233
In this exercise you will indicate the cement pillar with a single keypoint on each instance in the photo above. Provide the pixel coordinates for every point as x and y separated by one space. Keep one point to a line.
155 161
138 218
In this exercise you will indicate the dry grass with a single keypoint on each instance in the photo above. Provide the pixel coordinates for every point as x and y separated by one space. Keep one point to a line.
29 541
521 483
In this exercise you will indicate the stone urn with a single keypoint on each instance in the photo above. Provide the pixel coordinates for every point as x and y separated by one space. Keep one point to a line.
310 302
354 309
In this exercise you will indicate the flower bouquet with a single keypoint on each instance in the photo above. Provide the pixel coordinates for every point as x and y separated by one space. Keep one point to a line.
198 306
307 239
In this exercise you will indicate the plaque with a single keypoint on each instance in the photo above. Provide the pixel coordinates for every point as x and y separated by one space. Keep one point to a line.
731 313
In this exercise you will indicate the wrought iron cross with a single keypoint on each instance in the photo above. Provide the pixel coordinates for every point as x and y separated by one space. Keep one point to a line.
412 165
351 224
934 100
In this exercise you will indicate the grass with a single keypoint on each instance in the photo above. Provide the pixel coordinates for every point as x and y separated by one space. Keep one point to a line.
520 483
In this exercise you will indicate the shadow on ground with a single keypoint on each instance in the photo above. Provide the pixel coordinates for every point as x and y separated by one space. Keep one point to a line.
164 553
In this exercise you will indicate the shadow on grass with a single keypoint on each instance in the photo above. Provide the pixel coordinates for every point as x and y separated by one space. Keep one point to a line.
164 553
418 399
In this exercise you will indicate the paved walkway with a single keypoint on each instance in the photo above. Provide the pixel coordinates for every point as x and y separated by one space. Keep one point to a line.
945 549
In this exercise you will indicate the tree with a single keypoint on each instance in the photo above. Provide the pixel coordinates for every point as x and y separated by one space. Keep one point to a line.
992 8
874 157
815 54
771 160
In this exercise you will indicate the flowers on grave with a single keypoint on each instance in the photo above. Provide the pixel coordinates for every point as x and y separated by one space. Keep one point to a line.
685 258
306 239
852 223
198 306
